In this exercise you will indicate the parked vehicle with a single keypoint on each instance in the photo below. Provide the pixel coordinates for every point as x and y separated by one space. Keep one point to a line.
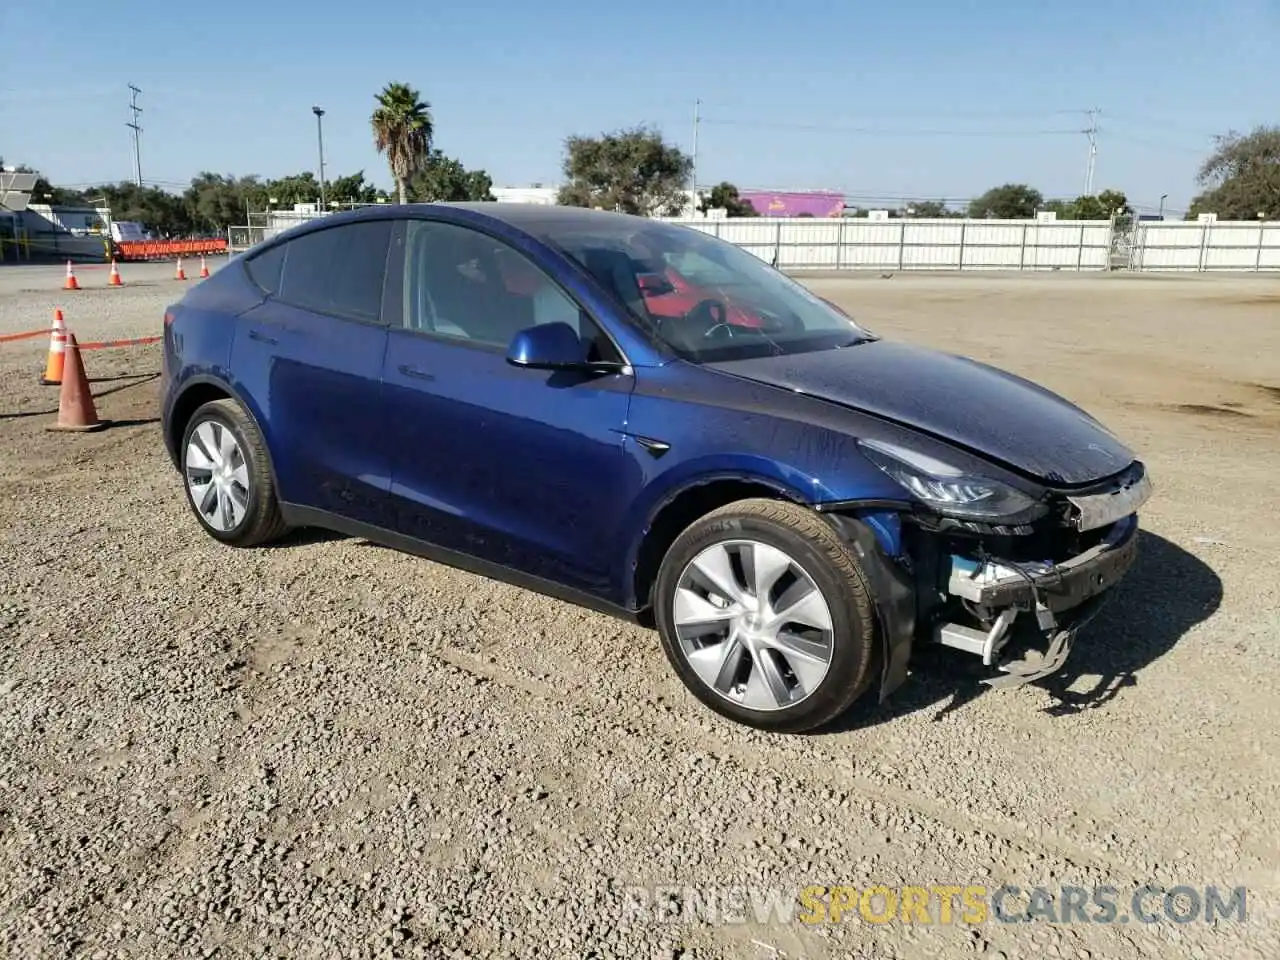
792 501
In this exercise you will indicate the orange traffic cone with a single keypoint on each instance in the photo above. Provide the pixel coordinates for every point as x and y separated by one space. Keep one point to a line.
76 412
204 268
57 352
114 280
71 282
180 274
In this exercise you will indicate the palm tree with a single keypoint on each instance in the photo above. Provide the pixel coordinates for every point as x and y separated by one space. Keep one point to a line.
402 130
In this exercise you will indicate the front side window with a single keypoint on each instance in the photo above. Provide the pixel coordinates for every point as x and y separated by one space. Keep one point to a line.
707 299
467 286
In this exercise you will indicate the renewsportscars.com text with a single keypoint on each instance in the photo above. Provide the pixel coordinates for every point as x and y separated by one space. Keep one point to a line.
943 904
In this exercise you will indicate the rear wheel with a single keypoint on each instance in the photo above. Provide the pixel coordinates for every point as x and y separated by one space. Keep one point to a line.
228 476
766 616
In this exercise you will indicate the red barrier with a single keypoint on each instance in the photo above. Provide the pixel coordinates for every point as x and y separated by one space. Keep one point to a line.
91 345
24 335
168 249
108 344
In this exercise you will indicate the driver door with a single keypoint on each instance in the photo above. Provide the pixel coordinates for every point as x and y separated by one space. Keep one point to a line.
518 467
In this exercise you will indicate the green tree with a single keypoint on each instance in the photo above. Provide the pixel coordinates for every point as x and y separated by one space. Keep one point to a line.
926 210
444 179
42 191
1010 201
353 188
216 200
1115 203
724 196
402 129
1241 177
630 171
1102 206
295 188
164 212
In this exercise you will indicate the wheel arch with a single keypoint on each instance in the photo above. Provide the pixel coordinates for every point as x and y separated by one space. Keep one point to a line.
195 393
681 507
892 588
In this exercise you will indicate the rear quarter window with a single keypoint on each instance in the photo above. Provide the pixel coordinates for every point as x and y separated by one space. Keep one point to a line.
267 268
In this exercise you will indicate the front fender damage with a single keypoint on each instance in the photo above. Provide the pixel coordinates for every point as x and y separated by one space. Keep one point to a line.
927 598
894 596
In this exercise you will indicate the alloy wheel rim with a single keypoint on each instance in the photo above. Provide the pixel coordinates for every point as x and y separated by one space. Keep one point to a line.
753 625
217 476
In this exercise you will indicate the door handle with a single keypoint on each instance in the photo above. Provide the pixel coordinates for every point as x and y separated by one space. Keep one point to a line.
416 373
261 337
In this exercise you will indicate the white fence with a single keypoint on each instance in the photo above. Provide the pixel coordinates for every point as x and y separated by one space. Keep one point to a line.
947 244
1212 245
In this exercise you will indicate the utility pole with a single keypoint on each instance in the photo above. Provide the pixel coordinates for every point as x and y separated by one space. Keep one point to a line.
1092 134
137 150
697 104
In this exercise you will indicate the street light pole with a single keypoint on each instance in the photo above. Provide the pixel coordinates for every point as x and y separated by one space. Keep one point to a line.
1163 196
320 139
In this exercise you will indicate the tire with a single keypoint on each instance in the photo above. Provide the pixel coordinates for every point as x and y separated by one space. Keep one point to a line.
817 558
258 520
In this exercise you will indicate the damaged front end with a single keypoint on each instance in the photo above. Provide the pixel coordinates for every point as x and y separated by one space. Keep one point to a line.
1014 593
1055 598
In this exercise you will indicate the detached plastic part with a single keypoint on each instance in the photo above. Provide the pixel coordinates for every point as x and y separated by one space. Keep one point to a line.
1035 664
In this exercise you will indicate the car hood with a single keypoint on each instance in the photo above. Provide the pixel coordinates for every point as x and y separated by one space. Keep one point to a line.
988 411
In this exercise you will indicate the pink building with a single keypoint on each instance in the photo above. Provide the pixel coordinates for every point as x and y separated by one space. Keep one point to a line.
783 203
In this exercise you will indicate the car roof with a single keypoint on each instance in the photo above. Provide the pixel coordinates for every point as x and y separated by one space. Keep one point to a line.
535 219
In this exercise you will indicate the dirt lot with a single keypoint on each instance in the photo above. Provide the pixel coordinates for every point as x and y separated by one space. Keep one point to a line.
331 749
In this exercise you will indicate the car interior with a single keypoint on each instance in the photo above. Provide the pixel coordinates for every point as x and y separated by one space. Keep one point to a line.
462 284
620 273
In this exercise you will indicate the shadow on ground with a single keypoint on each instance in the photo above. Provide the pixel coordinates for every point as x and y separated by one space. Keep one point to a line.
135 380
302 536
1167 593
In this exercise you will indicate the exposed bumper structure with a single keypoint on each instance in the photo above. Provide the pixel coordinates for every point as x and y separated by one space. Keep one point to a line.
1063 597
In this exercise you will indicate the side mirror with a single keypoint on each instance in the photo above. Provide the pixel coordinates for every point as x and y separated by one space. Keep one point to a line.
547 346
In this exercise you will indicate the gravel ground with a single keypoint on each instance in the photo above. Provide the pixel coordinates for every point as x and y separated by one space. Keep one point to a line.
331 749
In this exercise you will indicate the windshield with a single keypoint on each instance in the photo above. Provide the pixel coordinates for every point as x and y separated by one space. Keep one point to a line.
707 299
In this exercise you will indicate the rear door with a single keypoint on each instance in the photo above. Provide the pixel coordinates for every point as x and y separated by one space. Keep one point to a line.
311 356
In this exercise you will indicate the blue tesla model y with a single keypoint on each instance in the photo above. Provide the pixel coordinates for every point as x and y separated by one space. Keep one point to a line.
638 417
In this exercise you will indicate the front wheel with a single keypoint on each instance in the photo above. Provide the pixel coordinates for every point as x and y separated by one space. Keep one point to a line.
228 476
766 616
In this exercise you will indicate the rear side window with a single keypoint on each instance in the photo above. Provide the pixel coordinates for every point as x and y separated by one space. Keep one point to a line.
338 270
267 268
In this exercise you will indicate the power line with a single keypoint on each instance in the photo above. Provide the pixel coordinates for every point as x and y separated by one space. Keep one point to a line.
137 130
1163 145
894 114
887 131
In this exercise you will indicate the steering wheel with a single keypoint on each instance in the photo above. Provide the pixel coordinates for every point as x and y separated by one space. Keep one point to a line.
785 323
709 308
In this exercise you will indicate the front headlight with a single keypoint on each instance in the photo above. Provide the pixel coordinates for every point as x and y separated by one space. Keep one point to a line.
949 490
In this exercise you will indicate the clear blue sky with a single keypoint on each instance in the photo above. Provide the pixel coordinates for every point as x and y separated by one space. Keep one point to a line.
934 98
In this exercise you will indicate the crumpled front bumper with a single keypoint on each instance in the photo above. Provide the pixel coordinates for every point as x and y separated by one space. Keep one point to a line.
1058 587
1063 597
